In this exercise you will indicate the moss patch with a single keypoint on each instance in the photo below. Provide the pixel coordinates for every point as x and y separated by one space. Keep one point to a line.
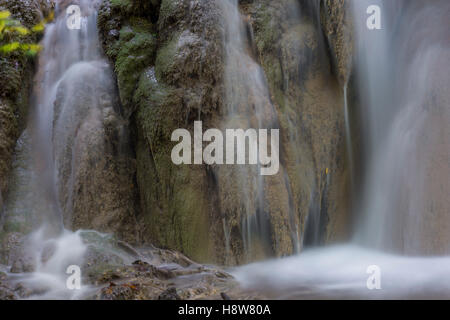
134 51
165 59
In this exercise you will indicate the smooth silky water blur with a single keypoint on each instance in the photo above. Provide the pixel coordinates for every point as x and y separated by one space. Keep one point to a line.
400 73
69 57
402 202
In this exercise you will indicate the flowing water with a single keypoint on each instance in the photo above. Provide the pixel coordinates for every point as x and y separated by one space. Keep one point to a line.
403 207
71 95
51 257
403 203
249 106
341 273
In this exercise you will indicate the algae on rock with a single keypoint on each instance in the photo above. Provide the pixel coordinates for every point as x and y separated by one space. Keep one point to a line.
169 62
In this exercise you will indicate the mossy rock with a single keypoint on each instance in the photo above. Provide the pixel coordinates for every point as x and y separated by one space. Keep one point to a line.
165 60
134 51
173 196
10 76
267 29
170 12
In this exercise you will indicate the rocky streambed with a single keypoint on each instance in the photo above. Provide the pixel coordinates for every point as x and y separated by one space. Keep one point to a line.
114 270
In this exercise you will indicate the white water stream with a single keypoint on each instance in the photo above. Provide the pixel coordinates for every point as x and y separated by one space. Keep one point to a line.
403 208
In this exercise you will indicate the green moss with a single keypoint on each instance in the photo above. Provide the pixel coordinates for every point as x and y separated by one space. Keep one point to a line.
134 8
141 25
16 75
8 135
173 196
155 102
191 222
123 6
175 203
165 59
10 76
135 51
167 11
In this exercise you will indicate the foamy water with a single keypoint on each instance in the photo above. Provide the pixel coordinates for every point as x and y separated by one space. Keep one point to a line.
51 258
341 272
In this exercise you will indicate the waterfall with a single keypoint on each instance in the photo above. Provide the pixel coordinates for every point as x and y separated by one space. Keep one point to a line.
248 105
70 59
348 135
402 206
406 118
244 82
74 94
71 163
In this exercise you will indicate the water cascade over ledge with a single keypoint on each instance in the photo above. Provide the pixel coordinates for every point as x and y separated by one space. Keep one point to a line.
401 205
364 153
74 113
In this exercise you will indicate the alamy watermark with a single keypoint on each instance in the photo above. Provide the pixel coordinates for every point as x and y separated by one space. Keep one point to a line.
73 282
236 152
374 280
374 20
73 20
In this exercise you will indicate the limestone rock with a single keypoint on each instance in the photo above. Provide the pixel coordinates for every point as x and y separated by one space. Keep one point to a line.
169 63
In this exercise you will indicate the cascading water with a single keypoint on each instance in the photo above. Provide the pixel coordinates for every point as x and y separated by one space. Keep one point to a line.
402 94
71 57
244 79
403 206
248 105
405 110
348 133
73 91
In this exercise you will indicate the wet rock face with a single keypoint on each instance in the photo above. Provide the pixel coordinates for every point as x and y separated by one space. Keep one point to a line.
168 72
305 71
168 57
307 94
8 135
169 62
93 161
338 28
29 12
16 74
